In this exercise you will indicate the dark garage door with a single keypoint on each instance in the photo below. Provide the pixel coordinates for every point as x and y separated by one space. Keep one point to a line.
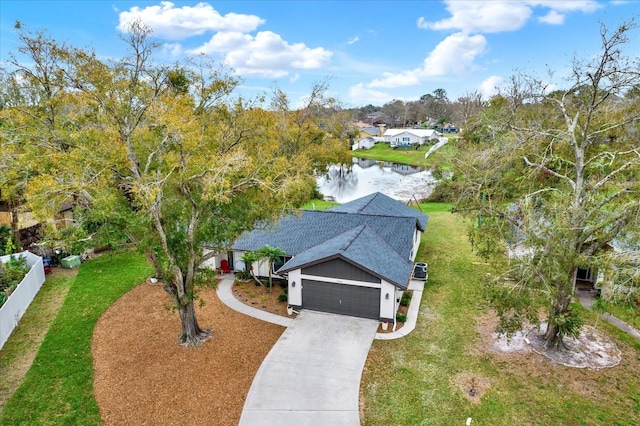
341 299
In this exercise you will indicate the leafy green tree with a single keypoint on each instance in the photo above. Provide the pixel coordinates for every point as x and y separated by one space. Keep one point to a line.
436 105
559 180
32 100
272 255
171 158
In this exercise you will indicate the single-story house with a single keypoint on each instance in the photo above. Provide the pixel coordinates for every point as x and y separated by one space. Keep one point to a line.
399 137
354 259
365 143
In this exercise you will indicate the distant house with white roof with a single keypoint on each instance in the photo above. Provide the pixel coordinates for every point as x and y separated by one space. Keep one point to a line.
398 137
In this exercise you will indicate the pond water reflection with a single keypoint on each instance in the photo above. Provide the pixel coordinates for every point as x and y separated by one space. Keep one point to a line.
364 177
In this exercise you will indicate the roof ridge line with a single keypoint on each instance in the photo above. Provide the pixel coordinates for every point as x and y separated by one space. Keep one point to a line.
374 195
347 243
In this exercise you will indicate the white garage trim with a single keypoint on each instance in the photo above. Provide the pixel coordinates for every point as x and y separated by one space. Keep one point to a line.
340 281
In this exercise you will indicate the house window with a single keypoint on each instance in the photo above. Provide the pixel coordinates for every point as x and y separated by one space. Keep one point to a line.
280 263
406 139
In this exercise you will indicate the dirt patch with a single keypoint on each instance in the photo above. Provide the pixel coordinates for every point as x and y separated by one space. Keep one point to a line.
472 386
30 333
142 376
592 349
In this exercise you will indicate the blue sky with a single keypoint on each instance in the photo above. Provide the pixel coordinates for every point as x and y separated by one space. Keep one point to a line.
372 51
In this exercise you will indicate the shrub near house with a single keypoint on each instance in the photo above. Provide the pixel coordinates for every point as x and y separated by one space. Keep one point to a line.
11 273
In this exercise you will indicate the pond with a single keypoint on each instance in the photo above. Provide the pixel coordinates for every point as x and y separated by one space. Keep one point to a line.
345 183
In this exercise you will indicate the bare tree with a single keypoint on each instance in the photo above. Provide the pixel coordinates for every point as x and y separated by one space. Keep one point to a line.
561 179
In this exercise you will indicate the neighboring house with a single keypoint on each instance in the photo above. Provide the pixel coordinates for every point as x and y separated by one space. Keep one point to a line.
355 259
368 136
29 226
400 137
376 118
371 132
623 278
365 143
447 128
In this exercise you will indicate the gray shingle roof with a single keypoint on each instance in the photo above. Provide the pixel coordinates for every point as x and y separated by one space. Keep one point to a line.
381 205
383 246
362 246
295 234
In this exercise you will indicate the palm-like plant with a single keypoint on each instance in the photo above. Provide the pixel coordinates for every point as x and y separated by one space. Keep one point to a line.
248 258
272 254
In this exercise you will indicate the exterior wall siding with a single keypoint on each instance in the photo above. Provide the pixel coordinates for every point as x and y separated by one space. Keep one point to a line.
388 307
417 236
338 268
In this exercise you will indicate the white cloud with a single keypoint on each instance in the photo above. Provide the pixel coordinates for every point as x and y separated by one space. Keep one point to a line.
171 23
403 79
490 86
481 16
294 78
172 49
266 54
552 18
585 6
353 40
492 16
224 42
361 95
453 55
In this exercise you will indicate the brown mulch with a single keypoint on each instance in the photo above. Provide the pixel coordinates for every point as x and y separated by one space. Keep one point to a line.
260 297
142 376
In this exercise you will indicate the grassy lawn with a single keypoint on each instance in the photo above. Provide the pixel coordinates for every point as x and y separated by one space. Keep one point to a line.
19 351
317 204
625 312
383 152
58 389
418 380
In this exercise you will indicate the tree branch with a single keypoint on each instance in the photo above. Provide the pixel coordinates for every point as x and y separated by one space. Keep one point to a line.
551 172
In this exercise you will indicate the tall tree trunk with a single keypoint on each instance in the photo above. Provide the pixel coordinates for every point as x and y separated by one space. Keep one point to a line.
192 334
15 231
559 307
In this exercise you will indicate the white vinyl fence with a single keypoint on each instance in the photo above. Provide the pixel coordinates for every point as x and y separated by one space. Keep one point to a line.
18 302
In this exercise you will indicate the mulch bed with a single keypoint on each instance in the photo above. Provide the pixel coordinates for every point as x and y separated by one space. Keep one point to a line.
260 297
142 376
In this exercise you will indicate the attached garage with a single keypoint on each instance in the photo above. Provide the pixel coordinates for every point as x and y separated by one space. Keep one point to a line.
343 299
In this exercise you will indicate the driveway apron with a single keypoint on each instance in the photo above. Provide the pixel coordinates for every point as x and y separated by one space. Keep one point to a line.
312 374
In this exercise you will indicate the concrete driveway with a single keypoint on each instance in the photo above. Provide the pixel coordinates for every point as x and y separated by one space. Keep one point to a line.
312 374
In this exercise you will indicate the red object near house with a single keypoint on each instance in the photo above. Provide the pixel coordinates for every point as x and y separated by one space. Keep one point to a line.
224 267
47 270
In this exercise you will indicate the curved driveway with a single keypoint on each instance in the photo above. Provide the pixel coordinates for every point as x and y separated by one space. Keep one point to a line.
312 374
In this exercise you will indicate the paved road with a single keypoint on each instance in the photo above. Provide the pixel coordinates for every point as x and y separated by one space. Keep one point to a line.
312 374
